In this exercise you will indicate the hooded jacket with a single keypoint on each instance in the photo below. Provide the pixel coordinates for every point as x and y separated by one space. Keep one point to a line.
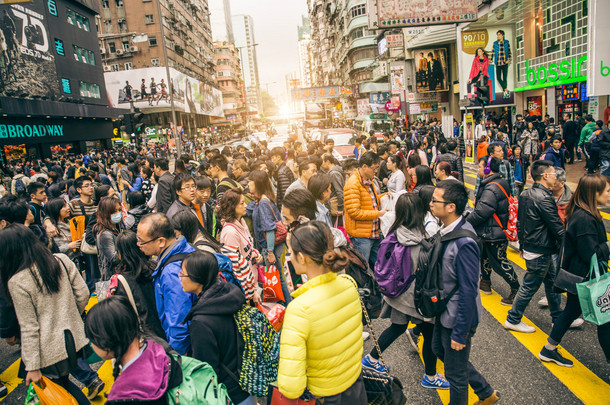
556 156
490 200
604 144
214 333
161 371
586 132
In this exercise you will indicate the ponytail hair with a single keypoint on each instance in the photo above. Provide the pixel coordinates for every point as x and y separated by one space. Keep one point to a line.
314 239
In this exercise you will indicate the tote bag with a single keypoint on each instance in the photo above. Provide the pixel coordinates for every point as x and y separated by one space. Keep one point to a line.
594 294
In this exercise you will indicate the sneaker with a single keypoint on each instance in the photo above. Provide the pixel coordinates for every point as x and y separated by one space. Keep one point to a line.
485 286
520 327
438 382
554 356
492 399
577 323
365 336
3 390
508 301
94 388
544 302
368 362
413 339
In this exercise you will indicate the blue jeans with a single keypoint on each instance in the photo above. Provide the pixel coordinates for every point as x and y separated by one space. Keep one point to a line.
369 248
458 370
540 270
248 401
606 168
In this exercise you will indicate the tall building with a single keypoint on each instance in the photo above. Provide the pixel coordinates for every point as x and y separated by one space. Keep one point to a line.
228 76
52 91
222 24
304 45
131 43
243 30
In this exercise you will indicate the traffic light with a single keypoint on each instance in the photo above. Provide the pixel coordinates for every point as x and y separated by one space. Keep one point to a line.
482 94
138 123
127 123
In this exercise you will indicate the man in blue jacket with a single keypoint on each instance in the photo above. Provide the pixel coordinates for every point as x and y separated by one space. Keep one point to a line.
456 325
156 238
556 153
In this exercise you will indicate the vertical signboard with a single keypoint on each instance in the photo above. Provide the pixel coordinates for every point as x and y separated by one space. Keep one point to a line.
397 75
469 138
598 75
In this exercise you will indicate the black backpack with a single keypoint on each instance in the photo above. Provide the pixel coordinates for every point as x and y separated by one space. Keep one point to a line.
359 269
430 297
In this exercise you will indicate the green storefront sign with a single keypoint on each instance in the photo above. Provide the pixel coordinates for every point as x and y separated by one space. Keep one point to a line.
29 131
555 74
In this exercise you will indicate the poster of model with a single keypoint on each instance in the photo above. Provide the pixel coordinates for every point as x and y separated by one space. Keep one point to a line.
487 57
397 76
407 13
432 72
148 88
27 62
469 138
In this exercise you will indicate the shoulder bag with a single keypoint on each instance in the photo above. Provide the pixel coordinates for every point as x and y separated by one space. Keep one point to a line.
280 229
564 280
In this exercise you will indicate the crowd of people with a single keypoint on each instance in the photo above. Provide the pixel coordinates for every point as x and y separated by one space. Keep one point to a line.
189 247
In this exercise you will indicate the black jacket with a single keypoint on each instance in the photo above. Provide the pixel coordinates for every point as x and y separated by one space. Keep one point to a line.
285 177
584 236
539 226
604 145
455 161
214 335
571 131
9 326
165 192
490 200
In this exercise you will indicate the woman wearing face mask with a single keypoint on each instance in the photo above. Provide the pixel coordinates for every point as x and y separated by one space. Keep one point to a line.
108 226
321 342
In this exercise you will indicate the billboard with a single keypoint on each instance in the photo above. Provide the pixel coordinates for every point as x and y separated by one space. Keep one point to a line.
432 73
408 13
483 59
148 88
469 138
27 61
316 93
598 72
397 78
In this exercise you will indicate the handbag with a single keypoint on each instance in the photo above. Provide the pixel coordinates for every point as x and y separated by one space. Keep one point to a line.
278 399
280 229
567 281
381 388
594 294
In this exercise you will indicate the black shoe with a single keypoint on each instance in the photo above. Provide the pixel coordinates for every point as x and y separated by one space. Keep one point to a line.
554 356
3 390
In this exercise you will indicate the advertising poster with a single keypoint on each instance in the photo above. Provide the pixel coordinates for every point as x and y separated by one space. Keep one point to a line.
534 105
27 61
378 101
148 88
364 108
598 57
406 13
487 56
431 70
397 75
469 138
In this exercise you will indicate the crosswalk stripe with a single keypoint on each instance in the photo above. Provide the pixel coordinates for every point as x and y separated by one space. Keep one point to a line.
605 215
105 373
10 379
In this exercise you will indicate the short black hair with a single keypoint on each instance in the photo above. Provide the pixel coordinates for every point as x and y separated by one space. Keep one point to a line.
349 164
160 227
539 167
369 158
452 144
135 198
78 183
305 165
180 179
491 148
494 163
382 150
501 32
278 151
34 186
202 182
589 118
455 193
13 209
301 202
599 123
220 161
162 164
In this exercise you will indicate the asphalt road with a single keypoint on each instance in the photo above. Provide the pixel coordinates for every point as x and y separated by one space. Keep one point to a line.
508 360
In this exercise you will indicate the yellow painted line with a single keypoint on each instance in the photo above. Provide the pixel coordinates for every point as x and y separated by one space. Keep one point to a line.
470 186
10 379
605 215
474 176
105 373
583 383
92 302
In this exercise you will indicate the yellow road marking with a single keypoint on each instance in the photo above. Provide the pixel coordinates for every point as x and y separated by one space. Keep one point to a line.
10 379
605 215
105 373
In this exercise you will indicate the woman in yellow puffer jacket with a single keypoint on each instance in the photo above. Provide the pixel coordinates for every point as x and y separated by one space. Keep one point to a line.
321 343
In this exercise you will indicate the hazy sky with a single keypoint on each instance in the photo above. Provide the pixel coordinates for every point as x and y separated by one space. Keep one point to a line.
275 30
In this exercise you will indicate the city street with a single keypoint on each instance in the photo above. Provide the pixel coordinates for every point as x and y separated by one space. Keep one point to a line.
508 360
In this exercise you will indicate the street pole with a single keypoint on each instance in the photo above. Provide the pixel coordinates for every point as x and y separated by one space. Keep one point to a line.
241 63
169 83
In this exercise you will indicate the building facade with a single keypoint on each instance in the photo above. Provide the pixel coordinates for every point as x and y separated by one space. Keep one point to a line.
52 89
305 51
228 76
243 31
222 23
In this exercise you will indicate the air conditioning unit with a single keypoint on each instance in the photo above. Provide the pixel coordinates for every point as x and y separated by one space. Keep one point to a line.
103 51
119 52
107 68
133 48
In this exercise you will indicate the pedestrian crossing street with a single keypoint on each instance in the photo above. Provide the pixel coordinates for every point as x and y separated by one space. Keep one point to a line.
588 380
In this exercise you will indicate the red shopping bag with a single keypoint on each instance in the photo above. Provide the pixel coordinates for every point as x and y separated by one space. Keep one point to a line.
274 313
272 290
278 399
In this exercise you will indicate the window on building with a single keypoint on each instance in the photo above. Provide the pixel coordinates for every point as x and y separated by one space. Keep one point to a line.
65 86
122 25
128 66
77 19
105 4
111 47
115 67
126 45
358 10
149 18
83 55
52 5
119 3
90 90
155 62
59 47
146 1
108 26
152 41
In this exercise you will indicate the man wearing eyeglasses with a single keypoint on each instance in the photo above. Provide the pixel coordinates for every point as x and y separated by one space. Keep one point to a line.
540 233
185 188
156 237
361 208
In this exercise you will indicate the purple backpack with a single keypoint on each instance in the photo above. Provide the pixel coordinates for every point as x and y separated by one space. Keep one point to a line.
393 267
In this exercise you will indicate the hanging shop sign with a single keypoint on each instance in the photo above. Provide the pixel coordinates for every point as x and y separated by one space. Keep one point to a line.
398 78
569 92
394 40
598 71
316 93
403 13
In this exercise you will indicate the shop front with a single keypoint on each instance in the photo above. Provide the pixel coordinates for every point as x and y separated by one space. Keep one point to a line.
38 138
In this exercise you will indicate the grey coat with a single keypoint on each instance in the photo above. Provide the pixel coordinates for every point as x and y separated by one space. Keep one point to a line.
43 317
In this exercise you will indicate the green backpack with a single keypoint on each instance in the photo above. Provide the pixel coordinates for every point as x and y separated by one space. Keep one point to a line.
199 385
